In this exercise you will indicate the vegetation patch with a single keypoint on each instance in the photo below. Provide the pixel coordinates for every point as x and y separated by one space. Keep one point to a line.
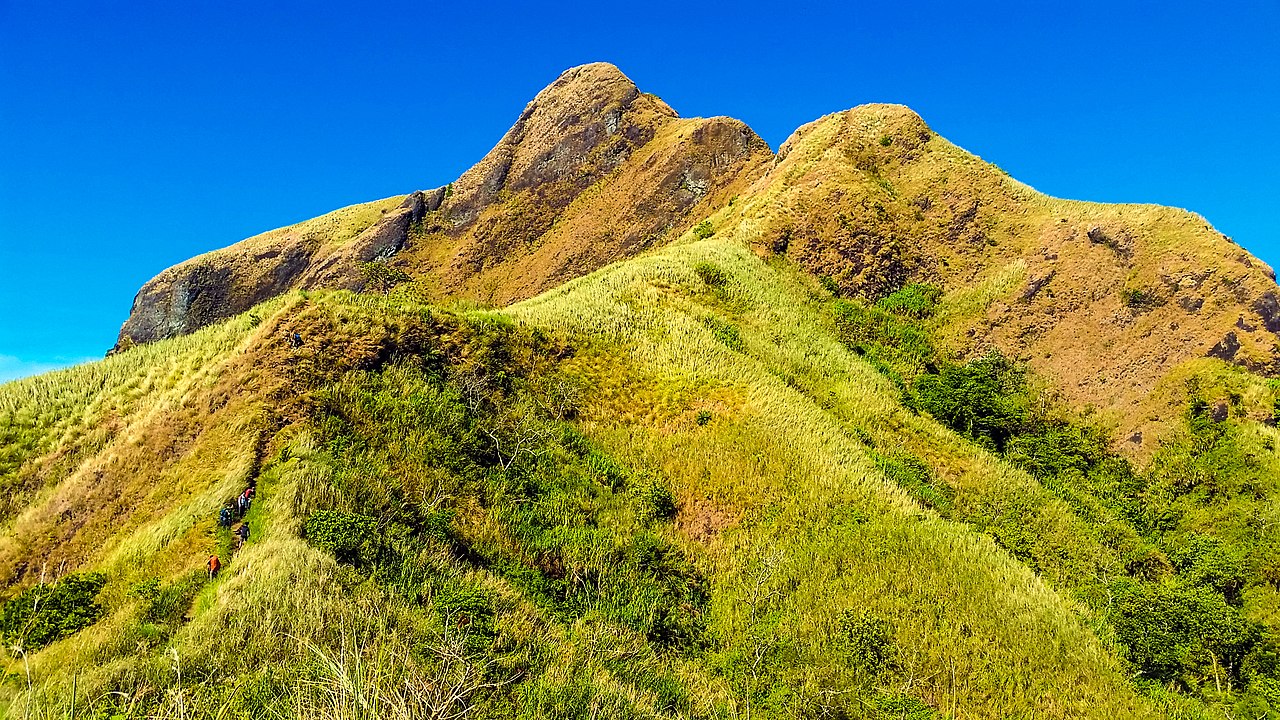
43 614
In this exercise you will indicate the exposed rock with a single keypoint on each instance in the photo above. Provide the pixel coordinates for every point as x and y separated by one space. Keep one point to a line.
1115 238
591 118
1219 412
1226 348
593 171
1268 308
1035 285
388 236
1190 303
211 288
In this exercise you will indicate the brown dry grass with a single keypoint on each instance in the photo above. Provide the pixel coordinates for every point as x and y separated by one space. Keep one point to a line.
871 197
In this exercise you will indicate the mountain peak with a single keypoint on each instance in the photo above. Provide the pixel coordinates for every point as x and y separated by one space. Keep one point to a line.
590 115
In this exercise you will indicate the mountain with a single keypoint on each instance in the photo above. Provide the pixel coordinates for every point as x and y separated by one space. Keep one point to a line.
519 222
638 418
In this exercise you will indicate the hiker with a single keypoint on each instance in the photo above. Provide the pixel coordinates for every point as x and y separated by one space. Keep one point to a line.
224 517
295 340
214 566
242 535
240 506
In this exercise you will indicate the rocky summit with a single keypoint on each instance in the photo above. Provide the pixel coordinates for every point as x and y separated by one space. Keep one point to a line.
638 418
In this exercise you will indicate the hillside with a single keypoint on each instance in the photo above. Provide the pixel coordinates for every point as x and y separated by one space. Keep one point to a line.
637 419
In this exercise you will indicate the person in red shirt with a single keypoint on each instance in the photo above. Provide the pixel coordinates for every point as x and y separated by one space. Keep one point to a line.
214 566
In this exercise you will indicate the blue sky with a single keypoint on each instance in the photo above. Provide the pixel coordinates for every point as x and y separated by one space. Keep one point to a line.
135 135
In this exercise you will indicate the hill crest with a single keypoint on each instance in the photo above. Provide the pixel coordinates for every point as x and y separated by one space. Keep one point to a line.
1106 298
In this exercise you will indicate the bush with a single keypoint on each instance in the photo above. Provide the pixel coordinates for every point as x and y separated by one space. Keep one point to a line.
1140 299
917 479
725 332
984 399
1179 634
703 230
166 603
902 347
352 538
704 417
381 277
829 284
867 642
914 301
897 706
656 501
1202 560
1055 448
43 614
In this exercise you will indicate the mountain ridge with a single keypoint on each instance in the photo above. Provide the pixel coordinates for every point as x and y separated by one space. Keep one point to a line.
580 181
574 133
643 420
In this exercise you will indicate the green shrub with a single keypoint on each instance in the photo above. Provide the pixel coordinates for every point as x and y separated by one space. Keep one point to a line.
868 645
725 332
1141 299
895 346
703 230
167 602
465 606
898 706
703 417
984 399
829 284
914 301
656 501
45 613
1178 634
438 525
381 277
918 480
354 539
1205 561
1050 449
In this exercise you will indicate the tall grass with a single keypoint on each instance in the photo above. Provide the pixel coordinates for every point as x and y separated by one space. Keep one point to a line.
555 580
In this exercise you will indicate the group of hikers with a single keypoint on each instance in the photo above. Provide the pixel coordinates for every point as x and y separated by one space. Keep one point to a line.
231 517
232 514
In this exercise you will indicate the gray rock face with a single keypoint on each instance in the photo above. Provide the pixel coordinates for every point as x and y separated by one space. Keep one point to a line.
588 125
587 117
208 289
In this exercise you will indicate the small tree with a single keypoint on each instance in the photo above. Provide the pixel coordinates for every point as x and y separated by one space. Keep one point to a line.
381 277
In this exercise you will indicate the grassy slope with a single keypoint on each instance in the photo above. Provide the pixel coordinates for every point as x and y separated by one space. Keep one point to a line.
784 459
781 505
871 197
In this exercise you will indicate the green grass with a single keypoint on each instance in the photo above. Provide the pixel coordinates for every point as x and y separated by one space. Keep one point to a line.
689 485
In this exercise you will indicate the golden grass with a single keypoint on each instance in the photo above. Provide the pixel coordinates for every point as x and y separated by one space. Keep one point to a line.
804 491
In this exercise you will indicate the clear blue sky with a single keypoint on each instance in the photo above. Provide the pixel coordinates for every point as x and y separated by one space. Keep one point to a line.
134 135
